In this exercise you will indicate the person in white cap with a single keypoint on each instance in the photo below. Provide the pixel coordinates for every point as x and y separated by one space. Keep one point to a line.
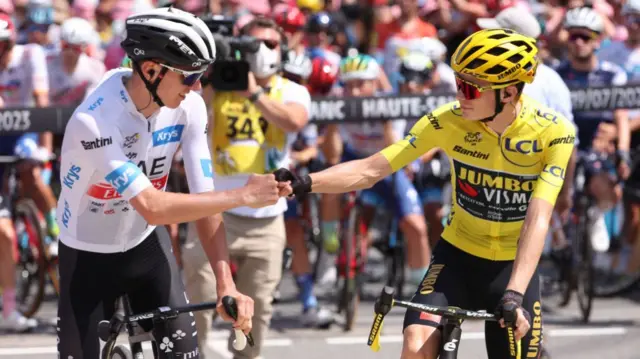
72 72
548 87
626 54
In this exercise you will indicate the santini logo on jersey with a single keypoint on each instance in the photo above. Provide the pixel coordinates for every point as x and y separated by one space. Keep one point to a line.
566 140
167 135
474 154
97 143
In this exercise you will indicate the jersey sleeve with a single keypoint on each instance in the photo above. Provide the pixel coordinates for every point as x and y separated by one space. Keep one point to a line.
559 146
310 134
294 93
421 138
39 72
560 96
97 146
195 148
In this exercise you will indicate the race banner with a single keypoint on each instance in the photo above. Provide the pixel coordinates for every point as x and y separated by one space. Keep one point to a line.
326 110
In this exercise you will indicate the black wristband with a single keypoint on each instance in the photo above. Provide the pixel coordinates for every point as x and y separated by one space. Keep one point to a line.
305 185
511 295
254 96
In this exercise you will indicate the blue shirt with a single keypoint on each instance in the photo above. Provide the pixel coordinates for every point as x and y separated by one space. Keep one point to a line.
605 74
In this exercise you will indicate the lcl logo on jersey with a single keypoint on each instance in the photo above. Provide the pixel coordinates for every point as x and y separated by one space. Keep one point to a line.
523 146
522 152
167 135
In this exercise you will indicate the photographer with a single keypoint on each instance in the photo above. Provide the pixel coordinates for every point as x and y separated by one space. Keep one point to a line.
251 131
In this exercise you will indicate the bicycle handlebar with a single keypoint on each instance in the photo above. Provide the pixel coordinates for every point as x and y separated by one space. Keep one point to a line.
386 301
167 313
230 306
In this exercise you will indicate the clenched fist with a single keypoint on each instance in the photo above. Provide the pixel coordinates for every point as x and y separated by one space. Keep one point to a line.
261 191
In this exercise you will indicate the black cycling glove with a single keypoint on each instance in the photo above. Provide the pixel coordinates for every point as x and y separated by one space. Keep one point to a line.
300 185
511 300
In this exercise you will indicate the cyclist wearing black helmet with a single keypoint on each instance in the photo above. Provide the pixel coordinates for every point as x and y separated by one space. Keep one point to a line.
319 33
115 160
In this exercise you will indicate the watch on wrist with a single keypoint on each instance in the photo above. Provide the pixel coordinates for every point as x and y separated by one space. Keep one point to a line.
254 96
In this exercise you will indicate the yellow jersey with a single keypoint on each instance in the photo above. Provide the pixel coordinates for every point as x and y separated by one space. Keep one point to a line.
242 141
493 176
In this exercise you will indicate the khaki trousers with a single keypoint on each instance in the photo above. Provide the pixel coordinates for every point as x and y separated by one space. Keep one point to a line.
256 245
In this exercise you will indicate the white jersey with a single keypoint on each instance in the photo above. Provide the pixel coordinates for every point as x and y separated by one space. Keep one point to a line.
25 75
70 89
111 152
549 89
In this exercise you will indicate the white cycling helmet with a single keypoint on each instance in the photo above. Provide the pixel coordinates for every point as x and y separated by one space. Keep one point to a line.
431 47
584 17
77 31
359 67
631 7
298 64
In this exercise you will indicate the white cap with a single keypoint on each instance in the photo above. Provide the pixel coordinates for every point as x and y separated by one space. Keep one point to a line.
77 31
631 7
513 18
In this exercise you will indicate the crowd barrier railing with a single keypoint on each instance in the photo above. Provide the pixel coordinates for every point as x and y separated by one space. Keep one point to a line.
341 109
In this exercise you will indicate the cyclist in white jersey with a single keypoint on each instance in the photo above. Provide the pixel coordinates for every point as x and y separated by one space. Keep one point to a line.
115 158
23 83
72 73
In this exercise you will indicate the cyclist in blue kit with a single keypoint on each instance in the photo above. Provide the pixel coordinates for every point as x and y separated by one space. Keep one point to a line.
583 69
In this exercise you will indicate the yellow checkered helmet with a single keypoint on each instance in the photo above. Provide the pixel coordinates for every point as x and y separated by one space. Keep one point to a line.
502 57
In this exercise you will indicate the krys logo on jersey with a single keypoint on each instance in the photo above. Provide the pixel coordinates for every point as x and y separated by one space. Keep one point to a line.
167 135
492 195
155 169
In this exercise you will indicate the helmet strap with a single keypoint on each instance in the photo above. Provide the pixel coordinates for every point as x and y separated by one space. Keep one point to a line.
152 87
499 107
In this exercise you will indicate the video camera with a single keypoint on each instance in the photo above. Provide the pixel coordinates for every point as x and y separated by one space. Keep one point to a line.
230 71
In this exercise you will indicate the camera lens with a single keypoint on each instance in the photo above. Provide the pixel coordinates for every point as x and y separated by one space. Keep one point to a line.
229 74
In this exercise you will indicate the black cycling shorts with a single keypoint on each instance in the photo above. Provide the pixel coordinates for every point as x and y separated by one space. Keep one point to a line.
91 283
459 279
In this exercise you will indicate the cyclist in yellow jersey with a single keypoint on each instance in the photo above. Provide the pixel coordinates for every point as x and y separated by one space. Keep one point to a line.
508 156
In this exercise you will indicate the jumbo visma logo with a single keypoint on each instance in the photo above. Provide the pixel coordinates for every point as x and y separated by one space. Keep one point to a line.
492 195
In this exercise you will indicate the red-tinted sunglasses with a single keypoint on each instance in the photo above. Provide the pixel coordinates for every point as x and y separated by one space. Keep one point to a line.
75 48
469 90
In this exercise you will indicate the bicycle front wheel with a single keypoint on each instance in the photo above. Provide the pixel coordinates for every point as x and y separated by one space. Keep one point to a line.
584 270
350 256
31 267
